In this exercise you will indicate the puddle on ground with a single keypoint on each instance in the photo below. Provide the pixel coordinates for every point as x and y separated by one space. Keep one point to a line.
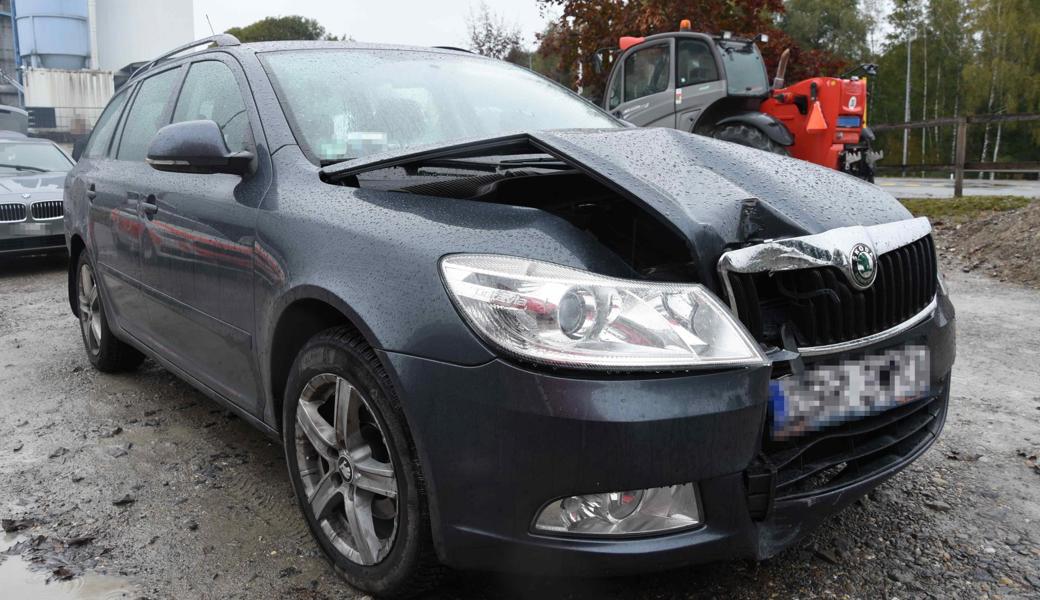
18 581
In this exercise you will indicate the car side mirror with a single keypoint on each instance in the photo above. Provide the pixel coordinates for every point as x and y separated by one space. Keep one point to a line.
195 147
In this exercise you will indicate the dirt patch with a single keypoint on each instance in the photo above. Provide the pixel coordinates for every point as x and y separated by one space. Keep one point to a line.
1004 244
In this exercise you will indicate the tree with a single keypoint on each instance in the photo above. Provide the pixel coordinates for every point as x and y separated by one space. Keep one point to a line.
490 35
835 26
273 29
588 27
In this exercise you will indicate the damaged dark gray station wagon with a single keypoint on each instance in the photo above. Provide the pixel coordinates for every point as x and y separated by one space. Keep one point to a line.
495 327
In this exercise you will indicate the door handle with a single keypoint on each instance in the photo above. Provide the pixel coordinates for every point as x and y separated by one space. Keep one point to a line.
150 206
91 192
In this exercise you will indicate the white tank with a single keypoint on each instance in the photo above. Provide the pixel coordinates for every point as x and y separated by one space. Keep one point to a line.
129 31
53 34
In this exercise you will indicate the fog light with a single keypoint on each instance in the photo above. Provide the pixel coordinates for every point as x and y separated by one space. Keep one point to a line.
635 512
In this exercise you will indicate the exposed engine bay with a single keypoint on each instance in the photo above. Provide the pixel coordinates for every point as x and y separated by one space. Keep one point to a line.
540 181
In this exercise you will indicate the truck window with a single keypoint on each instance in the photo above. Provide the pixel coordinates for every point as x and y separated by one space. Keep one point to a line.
646 72
694 63
745 71
615 91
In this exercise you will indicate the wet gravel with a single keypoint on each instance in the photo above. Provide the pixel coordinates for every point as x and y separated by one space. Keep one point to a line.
138 476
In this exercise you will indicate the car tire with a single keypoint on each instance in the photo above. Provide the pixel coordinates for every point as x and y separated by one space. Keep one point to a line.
346 441
104 350
745 135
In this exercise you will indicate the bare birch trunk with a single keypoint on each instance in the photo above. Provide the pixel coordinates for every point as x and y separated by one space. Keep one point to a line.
906 103
924 102
996 149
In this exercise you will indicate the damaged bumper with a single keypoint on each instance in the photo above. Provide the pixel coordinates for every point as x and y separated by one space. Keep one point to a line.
499 441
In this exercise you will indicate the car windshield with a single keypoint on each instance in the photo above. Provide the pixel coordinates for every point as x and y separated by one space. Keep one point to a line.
348 103
745 71
29 157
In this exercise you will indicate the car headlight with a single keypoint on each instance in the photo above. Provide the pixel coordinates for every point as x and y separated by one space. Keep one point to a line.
562 316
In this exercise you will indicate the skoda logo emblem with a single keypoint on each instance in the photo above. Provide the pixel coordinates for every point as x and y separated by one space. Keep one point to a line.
864 266
852 102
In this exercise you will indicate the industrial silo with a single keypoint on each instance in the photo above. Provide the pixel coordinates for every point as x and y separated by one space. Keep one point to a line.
53 34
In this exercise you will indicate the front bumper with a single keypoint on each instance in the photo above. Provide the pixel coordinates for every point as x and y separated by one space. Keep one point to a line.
32 237
498 441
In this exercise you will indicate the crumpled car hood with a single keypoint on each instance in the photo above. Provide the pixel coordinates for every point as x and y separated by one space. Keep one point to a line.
717 194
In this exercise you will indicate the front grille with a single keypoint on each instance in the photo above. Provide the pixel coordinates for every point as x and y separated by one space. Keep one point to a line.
844 455
821 307
49 209
12 212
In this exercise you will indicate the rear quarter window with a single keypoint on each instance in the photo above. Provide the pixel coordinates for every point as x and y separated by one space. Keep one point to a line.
97 145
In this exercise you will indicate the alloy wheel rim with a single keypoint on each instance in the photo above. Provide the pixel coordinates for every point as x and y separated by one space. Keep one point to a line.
89 309
347 472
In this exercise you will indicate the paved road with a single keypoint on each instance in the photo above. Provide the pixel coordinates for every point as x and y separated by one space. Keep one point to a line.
138 486
943 188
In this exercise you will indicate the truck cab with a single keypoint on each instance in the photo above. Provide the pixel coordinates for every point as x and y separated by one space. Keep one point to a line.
675 79
717 85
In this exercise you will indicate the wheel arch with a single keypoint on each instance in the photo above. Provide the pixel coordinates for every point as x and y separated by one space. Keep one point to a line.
76 247
302 313
769 125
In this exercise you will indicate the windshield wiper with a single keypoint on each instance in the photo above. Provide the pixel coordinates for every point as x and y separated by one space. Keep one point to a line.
23 168
325 162
544 162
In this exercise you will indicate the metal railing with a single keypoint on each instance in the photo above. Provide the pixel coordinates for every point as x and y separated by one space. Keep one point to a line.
961 164
76 120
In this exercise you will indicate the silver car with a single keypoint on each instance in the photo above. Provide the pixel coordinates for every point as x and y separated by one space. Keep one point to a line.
32 179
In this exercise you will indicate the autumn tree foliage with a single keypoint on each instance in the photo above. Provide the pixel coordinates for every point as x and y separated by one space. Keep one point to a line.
585 27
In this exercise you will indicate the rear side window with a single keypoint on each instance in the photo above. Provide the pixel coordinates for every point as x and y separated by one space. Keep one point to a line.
146 114
646 72
694 63
211 92
97 145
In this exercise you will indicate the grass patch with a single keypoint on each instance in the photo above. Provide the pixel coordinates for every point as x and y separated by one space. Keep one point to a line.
962 209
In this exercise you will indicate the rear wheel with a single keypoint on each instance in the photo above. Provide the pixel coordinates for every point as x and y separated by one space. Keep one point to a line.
745 135
353 467
105 351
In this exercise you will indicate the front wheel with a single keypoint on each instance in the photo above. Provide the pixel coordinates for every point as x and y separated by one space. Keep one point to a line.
745 135
354 469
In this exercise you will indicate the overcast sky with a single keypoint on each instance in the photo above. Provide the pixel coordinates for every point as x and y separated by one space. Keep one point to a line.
418 22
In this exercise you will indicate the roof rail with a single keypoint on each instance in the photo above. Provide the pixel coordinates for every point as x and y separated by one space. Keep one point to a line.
220 40
456 48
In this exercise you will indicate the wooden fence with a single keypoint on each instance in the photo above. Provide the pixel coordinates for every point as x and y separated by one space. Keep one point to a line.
960 164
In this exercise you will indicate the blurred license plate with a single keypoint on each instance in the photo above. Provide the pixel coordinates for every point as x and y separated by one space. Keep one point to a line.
832 394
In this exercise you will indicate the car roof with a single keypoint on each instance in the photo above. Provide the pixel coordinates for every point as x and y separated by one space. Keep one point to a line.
328 45
263 47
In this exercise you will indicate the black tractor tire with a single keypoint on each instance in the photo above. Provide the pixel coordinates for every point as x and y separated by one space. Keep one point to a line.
746 135
105 351
411 567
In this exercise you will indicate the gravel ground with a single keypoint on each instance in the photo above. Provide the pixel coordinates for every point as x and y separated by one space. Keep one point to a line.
1002 245
141 487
